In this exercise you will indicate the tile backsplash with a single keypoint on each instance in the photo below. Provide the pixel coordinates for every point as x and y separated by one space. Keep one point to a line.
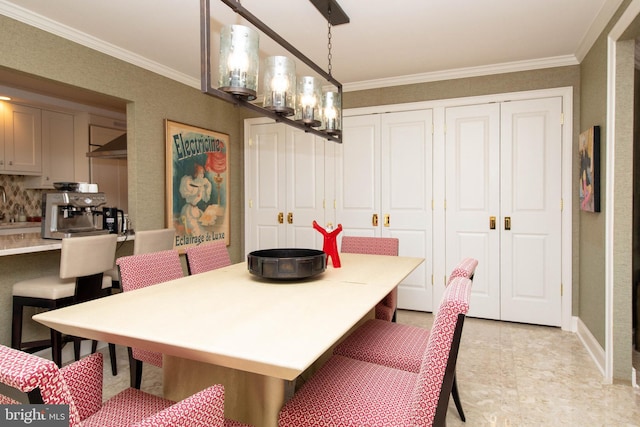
19 196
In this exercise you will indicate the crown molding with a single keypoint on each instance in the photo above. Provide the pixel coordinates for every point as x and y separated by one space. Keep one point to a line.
460 73
598 25
41 22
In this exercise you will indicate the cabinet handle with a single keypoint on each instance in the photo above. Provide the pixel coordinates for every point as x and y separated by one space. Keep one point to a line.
507 223
10 162
492 223
290 217
374 220
387 220
280 218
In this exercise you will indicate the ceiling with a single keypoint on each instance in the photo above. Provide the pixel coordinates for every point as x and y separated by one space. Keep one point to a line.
386 43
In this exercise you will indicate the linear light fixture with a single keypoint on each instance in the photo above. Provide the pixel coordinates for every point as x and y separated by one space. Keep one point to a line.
330 10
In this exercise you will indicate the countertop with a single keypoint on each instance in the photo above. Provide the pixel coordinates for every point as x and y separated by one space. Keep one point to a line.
24 240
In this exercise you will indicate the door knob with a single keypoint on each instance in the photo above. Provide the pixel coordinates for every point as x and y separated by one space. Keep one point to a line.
492 222
374 220
507 223
290 217
280 218
387 220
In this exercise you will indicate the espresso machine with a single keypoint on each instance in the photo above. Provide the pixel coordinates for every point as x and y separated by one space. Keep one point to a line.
70 214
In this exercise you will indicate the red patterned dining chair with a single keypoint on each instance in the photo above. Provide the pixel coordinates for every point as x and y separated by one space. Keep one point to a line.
351 392
207 257
83 261
385 309
140 271
31 379
399 345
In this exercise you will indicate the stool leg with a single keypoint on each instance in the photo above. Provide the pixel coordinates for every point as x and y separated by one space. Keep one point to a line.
16 326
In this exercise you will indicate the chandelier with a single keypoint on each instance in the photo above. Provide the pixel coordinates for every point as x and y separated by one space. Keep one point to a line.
298 101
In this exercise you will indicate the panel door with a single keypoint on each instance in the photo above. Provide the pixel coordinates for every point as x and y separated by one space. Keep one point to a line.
305 188
406 194
358 176
472 190
531 154
265 187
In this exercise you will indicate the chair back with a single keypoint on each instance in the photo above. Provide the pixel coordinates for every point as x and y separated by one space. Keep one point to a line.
435 380
207 257
142 270
370 245
465 268
39 378
153 240
87 255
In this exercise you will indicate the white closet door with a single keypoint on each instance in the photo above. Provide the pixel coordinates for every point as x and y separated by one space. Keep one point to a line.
266 188
531 197
406 194
472 150
305 188
358 176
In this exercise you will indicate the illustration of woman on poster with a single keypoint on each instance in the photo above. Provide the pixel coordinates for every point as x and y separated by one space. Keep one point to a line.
194 188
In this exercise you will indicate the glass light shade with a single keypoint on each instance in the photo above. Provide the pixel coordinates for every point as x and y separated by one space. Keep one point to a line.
308 101
332 113
279 85
239 61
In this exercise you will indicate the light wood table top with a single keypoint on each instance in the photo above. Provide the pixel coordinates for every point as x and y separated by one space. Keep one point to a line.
230 318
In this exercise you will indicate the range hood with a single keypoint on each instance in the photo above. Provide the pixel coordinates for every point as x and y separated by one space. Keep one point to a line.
114 149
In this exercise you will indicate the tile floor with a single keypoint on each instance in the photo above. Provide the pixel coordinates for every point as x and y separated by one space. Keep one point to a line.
508 375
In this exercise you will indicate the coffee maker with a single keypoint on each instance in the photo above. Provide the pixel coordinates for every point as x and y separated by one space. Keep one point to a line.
70 214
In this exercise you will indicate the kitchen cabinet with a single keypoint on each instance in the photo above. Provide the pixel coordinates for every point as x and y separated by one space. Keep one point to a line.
57 150
21 143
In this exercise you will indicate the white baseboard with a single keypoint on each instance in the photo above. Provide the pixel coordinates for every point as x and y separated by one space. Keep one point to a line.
590 343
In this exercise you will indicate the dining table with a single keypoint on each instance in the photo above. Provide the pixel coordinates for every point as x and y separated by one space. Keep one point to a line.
258 337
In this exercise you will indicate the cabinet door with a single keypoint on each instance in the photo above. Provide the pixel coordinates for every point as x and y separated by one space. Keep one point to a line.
23 139
57 148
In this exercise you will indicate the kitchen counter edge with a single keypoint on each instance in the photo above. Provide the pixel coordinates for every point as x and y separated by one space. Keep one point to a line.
24 243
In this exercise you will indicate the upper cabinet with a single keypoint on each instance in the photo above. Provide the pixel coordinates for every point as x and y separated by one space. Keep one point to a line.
58 162
21 143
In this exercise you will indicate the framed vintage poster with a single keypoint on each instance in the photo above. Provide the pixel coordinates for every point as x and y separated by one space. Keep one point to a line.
589 152
197 184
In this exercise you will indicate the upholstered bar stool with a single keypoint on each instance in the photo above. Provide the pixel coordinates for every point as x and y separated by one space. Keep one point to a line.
146 242
82 263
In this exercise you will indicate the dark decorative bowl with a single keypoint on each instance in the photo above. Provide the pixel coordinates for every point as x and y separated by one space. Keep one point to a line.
286 264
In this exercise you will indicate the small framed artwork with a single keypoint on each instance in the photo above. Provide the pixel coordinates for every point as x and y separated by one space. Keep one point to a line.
589 153
197 184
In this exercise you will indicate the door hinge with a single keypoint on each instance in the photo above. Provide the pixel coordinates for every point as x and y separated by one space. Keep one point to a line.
561 118
561 289
250 204
561 205
250 142
324 204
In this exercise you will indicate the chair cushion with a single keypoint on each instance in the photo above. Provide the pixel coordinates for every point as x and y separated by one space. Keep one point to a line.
347 392
395 345
48 287
126 408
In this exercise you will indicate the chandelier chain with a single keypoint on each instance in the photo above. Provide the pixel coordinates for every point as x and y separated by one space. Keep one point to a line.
329 40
